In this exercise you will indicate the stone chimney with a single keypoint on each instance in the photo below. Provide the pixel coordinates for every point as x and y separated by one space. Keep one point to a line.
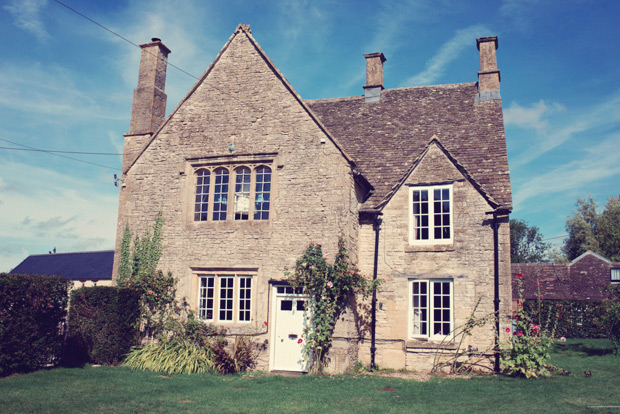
374 77
149 99
488 77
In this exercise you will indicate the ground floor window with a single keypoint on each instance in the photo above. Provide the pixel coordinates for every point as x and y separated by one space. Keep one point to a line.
225 297
430 308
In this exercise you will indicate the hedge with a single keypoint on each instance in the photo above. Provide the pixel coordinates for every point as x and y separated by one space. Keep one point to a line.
572 319
32 310
103 325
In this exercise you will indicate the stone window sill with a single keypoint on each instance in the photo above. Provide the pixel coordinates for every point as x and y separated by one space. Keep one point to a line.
430 248
420 344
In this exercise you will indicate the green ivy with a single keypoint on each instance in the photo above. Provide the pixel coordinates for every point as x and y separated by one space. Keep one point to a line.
331 288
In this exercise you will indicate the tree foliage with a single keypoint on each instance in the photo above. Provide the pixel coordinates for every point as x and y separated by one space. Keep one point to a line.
590 230
526 243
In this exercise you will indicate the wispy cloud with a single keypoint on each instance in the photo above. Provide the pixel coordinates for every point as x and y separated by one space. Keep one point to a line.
531 116
518 12
598 163
47 208
554 132
27 16
449 52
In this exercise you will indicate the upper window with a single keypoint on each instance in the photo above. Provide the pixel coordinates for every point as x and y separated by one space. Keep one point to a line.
225 298
431 308
430 215
615 275
250 194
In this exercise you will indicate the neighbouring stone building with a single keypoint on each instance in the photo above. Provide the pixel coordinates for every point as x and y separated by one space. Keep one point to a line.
247 173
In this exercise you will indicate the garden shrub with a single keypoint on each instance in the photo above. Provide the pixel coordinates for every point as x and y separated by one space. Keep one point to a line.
103 324
193 347
32 310
571 318
527 351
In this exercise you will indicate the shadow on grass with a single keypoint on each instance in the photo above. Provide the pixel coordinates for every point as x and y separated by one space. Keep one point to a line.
584 347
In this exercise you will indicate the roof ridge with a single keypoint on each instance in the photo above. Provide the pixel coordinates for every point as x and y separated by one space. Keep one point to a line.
65 253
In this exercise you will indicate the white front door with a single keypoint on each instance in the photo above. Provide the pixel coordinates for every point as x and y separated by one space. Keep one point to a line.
288 321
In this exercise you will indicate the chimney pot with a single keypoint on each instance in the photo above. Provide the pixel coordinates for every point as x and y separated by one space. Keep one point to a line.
374 76
489 76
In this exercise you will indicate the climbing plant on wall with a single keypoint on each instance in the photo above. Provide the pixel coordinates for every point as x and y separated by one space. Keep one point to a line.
330 287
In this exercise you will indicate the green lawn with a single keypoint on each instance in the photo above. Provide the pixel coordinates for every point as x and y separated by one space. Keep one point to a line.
119 390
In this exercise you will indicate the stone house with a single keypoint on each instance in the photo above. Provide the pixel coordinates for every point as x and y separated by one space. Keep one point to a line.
247 173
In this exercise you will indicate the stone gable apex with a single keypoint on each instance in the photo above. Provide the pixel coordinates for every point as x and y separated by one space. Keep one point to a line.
436 143
586 254
244 30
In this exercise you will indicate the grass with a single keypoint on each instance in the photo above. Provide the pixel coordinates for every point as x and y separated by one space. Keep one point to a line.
120 390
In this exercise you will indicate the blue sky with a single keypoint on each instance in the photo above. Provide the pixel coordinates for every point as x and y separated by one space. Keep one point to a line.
66 84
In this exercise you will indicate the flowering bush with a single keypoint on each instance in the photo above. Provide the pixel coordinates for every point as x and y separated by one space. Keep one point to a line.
330 288
527 352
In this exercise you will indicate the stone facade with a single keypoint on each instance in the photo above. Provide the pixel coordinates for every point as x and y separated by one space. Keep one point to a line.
243 113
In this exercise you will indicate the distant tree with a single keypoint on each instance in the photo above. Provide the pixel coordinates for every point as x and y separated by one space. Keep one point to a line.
526 243
589 230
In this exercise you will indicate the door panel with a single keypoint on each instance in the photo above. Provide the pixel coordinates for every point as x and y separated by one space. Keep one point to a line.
288 344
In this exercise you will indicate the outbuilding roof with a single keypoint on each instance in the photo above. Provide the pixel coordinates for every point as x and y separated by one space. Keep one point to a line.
71 266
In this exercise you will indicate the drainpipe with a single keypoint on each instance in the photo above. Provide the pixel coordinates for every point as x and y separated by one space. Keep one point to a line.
496 283
373 311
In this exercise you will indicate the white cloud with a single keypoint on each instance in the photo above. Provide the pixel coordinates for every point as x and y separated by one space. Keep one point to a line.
27 16
45 208
529 117
448 52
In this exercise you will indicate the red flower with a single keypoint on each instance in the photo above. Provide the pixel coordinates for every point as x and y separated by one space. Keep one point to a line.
541 297
519 275
507 330
537 283
300 340
535 328
265 323
520 333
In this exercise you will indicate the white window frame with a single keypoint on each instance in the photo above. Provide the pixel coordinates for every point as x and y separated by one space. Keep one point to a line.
429 308
430 215
614 275
218 298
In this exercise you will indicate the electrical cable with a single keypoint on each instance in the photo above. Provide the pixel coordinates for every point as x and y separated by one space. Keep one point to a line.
61 152
62 156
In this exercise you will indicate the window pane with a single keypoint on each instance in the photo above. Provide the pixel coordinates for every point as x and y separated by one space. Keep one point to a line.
226 297
220 195
245 298
615 275
301 305
202 195
286 305
205 303
262 192
242 193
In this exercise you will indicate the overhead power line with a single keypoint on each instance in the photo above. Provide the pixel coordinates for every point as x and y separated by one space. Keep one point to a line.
60 152
59 155
121 37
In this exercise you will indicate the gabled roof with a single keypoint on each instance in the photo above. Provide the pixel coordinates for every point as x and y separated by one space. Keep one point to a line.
71 266
386 137
244 30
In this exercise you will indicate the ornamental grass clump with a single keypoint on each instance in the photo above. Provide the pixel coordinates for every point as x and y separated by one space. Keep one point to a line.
176 356
527 352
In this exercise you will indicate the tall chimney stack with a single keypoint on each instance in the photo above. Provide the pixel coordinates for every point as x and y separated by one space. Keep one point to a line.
488 77
149 100
374 77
